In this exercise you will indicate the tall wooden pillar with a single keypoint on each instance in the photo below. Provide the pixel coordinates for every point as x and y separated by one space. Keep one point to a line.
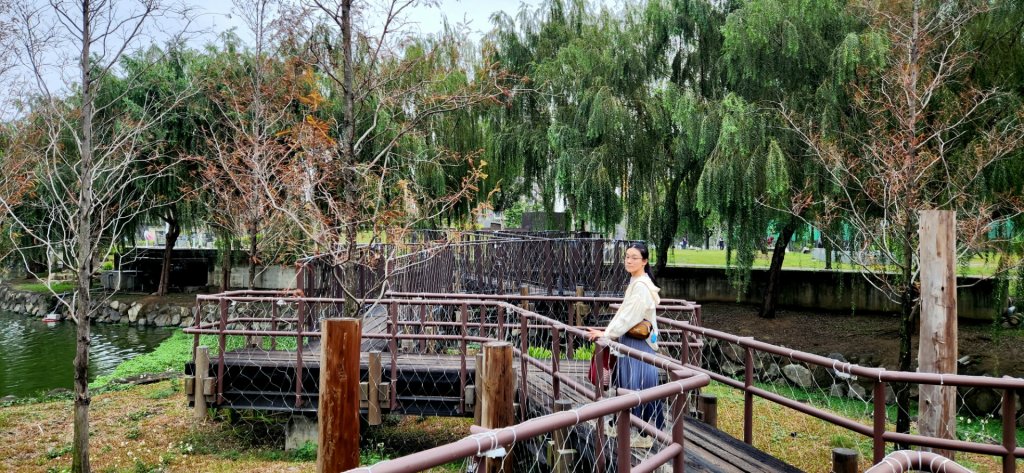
937 351
338 448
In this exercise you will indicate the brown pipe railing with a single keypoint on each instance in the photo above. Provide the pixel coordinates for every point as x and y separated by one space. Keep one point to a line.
485 440
910 460
1008 449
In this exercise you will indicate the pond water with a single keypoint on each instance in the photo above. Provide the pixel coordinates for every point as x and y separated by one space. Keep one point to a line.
37 357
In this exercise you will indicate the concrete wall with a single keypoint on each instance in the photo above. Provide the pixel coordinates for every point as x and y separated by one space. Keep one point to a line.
839 291
267 277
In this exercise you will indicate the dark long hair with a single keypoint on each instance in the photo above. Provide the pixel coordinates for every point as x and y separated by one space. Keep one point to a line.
642 248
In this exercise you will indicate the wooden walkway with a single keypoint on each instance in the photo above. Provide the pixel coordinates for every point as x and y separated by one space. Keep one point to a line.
431 385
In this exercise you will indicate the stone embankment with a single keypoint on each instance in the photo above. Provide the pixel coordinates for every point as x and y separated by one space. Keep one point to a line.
157 314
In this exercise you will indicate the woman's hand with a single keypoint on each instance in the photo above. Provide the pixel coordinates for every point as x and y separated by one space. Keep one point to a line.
594 334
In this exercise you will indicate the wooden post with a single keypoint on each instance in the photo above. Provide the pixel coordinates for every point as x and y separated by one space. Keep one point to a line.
478 383
937 350
708 406
844 460
496 393
561 455
202 372
338 448
373 389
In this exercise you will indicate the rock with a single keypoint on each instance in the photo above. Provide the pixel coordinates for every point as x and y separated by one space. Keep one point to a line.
162 320
857 391
133 313
6 399
773 371
186 322
731 369
837 390
175 320
734 353
59 392
798 375
115 304
981 401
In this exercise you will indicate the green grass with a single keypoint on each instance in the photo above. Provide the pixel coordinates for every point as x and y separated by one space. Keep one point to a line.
42 288
174 352
977 266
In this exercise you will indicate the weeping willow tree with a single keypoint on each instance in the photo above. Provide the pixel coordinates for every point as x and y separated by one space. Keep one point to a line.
776 53
519 148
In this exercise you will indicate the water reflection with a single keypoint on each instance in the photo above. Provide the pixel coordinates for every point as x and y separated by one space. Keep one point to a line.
36 356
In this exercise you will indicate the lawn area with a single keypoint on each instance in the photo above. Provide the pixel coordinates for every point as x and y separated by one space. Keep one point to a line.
977 266
41 288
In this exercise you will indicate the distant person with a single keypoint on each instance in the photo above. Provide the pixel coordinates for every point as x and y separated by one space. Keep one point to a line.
721 243
685 243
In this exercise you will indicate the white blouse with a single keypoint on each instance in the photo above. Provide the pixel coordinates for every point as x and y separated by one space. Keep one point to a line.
638 304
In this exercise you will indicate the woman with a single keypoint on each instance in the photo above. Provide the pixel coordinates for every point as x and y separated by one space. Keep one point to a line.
638 305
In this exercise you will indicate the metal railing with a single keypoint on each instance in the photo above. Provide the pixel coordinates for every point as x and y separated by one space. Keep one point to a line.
1008 449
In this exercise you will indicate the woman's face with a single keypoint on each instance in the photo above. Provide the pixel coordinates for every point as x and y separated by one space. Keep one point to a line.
634 262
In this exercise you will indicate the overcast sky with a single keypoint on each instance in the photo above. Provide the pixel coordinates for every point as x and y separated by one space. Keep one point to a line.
474 13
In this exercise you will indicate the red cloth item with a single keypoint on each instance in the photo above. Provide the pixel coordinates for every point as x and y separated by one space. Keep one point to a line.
607 364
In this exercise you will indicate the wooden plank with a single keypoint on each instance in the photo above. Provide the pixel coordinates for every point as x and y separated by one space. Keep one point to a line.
937 350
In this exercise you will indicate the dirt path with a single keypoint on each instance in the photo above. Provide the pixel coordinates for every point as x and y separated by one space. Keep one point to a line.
866 339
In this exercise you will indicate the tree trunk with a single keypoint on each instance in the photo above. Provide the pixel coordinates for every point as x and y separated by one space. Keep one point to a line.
225 265
906 330
253 260
827 244
83 235
173 230
771 293
670 222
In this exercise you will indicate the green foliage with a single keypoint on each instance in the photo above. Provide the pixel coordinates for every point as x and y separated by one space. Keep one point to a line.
305 453
41 287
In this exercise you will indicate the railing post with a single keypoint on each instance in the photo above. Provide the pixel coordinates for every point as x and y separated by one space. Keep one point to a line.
708 406
599 351
497 392
423 328
748 398
478 388
878 448
300 321
561 456
338 411
1009 431
221 345
844 460
273 325
201 374
556 344
622 447
501 322
524 345
464 316
393 348
679 427
373 389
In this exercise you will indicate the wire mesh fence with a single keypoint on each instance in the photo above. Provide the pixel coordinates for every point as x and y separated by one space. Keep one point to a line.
780 400
420 359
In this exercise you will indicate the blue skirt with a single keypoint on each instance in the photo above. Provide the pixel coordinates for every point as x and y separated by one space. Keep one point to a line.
636 375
